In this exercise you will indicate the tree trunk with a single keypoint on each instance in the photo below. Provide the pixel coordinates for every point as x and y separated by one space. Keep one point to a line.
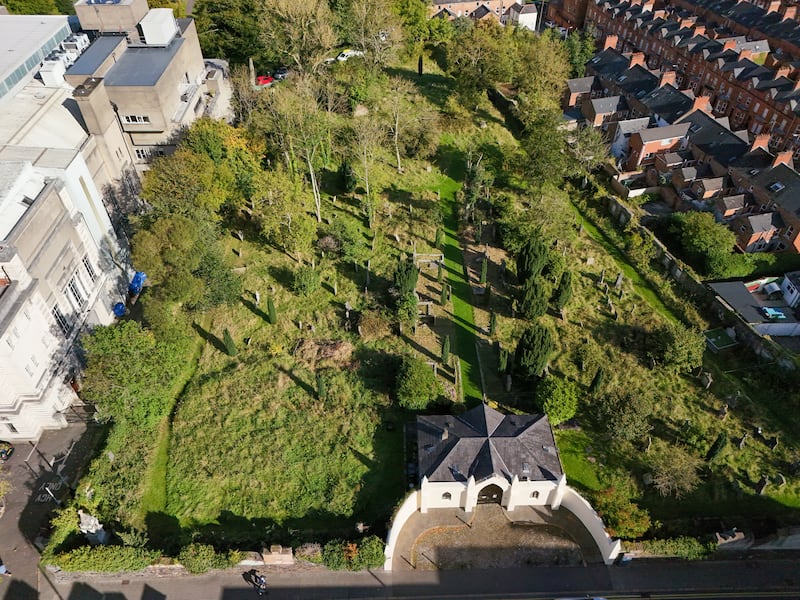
315 190
397 141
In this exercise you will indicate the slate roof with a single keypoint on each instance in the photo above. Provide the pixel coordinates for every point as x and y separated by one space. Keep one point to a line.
783 186
636 81
580 85
610 105
627 126
714 138
608 62
483 442
764 222
528 9
735 293
753 161
664 133
731 202
668 102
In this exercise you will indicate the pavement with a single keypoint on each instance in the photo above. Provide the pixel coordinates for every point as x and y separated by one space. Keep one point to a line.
41 475
637 578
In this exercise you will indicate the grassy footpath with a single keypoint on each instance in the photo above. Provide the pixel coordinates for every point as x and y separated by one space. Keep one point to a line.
463 314
642 287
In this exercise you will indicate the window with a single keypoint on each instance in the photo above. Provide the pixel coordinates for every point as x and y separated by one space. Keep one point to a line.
60 319
10 342
75 289
722 106
756 107
534 494
789 230
89 268
447 496
748 100
137 119
776 187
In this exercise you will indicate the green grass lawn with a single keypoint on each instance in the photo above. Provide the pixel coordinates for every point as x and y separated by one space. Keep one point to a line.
581 473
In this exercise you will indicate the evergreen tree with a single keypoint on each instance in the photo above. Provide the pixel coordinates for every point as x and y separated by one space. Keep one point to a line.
534 301
437 243
533 351
484 270
564 291
446 351
322 388
230 346
492 322
597 381
271 312
531 259
405 277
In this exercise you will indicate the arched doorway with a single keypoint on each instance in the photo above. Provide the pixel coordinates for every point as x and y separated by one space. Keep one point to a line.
491 494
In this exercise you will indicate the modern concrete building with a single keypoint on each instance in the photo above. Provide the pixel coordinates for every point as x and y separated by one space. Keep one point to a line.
143 79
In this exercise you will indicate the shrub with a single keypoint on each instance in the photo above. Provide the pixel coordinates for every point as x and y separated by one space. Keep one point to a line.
685 547
534 299
105 559
312 552
417 386
272 314
680 347
200 558
597 381
625 417
718 446
675 470
333 555
405 277
370 553
564 291
446 350
230 345
557 398
306 281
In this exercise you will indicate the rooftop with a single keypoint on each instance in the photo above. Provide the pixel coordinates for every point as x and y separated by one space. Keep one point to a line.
783 186
91 59
483 442
664 133
21 36
668 102
751 305
714 138
142 66
19 187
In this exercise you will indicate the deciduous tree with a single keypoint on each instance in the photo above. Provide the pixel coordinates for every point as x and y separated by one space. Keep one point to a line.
705 242
416 385
675 470
557 397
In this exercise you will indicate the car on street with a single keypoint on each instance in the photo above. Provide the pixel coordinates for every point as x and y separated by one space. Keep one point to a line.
6 450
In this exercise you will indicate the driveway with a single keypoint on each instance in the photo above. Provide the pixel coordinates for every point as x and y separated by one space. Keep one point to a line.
492 537
52 465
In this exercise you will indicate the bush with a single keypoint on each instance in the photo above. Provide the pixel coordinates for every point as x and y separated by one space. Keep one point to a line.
416 384
718 446
688 548
624 417
105 559
306 281
312 552
200 558
342 555
675 470
557 398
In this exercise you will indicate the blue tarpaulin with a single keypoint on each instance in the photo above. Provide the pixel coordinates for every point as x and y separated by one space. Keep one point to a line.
137 282
119 309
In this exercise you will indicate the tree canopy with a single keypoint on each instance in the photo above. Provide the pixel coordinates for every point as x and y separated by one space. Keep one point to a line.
417 385
706 243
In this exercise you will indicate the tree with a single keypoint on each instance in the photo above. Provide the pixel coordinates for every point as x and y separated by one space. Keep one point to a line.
622 517
545 145
675 471
301 33
322 387
405 277
446 350
416 384
230 345
534 300
31 7
589 148
271 312
492 323
231 29
540 68
706 243
533 351
531 258
374 29
367 135
679 347
413 17
129 374
581 48
484 270
557 397
403 109
479 57
564 291
597 381
623 416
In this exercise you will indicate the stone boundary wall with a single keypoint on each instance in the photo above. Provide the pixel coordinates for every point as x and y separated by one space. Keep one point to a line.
409 506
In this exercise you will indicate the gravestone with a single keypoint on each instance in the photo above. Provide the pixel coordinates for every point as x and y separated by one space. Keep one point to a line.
743 440
618 282
762 485
722 413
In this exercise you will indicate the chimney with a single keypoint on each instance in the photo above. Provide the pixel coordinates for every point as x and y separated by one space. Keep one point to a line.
783 158
667 77
610 42
761 141
446 431
790 12
773 6
702 103
637 58
783 71
729 44
699 29
745 53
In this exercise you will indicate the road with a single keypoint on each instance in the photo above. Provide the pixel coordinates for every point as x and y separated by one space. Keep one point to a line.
665 580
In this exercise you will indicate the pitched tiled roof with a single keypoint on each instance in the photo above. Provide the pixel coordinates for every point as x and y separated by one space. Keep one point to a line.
483 442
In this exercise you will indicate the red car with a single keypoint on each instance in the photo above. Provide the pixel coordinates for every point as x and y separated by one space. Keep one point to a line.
264 80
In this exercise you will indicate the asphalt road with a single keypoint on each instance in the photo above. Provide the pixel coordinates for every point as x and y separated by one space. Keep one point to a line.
665 580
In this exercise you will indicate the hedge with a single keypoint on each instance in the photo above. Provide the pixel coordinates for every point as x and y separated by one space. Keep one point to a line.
105 559
199 558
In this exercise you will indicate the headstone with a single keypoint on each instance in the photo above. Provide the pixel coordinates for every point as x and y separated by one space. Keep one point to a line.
602 278
589 261
91 527
743 441
762 485
618 282
723 412
772 443
258 298
508 383
780 479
